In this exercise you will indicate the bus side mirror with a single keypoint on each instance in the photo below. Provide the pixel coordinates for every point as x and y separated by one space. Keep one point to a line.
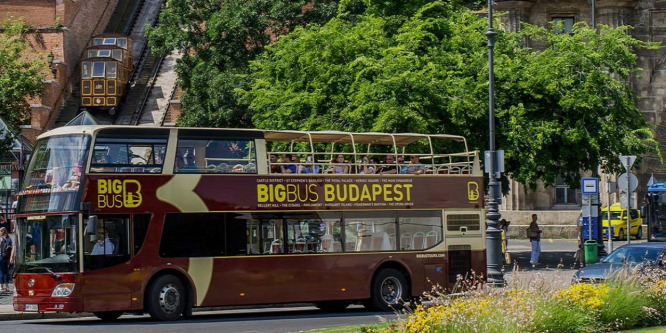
91 225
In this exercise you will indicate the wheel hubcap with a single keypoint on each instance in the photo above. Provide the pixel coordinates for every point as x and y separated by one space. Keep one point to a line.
391 290
169 298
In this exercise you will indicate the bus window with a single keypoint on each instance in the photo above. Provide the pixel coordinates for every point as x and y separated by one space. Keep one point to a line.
129 154
122 42
370 232
86 70
110 245
104 53
421 230
98 69
193 235
97 41
92 53
109 41
215 156
140 227
118 55
111 69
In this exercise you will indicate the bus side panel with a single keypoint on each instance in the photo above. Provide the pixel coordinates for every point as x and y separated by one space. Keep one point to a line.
288 278
107 289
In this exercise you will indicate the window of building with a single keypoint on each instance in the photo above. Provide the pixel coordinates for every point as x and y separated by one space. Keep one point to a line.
563 24
564 195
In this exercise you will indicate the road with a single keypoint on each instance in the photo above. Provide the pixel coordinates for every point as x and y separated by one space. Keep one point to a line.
256 320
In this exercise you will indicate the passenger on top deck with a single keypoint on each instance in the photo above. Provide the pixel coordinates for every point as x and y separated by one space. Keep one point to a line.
368 167
389 167
415 167
287 168
275 168
338 164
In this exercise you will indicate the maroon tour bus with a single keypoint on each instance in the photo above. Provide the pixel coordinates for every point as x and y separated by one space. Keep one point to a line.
115 219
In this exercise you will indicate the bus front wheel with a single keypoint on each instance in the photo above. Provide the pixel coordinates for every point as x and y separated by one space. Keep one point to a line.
389 290
166 299
108 315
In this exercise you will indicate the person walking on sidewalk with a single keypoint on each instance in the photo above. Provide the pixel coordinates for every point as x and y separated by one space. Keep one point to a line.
6 251
534 233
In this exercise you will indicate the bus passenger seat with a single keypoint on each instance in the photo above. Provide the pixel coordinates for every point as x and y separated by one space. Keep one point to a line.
406 241
431 238
418 241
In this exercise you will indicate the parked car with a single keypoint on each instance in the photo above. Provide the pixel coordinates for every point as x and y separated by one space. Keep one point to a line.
631 256
618 222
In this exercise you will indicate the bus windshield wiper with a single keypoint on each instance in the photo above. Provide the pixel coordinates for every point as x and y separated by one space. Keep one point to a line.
48 270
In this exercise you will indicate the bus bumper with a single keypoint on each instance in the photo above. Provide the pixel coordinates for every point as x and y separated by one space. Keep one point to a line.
47 304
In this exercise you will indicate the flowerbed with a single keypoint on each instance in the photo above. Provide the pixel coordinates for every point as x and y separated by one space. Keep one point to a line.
534 304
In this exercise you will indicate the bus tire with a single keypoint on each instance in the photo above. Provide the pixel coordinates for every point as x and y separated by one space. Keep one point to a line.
165 299
108 315
332 306
389 290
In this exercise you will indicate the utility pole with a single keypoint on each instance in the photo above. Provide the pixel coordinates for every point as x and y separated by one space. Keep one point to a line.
493 233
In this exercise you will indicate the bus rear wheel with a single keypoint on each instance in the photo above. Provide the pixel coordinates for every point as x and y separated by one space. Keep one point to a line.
108 315
389 290
332 306
166 298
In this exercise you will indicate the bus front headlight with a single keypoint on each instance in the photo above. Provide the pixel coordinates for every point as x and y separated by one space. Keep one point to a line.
63 290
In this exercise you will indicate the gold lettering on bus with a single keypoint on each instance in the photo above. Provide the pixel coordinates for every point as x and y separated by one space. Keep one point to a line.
280 193
472 191
116 193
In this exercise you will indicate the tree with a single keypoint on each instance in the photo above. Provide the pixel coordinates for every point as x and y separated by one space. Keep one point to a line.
217 40
562 107
20 79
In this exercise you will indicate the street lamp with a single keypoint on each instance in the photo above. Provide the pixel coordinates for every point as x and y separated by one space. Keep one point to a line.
52 66
493 233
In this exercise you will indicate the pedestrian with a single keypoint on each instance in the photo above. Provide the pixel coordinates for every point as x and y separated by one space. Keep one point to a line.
580 254
6 258
534 233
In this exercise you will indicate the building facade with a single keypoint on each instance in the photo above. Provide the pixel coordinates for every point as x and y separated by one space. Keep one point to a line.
648 19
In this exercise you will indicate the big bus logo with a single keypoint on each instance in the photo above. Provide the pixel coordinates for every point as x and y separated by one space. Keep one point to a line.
114 193
472 191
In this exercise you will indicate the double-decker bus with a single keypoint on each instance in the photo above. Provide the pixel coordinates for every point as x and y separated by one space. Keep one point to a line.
115 219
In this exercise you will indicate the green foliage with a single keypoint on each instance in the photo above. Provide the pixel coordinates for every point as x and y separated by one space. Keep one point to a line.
217 39
562 106
20 78
557 316
623 307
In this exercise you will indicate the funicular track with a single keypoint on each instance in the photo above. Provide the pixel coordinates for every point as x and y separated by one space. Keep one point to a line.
146 66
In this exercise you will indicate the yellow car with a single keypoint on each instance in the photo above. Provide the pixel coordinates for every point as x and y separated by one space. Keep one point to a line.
618 222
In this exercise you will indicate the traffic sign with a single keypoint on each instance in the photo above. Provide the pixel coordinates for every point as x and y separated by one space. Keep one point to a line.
651 181
622 182
623 201
589 185
627 161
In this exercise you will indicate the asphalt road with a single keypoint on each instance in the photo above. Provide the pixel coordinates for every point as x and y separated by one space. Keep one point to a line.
258 320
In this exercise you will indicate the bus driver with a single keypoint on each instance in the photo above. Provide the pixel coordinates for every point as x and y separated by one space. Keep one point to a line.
103 245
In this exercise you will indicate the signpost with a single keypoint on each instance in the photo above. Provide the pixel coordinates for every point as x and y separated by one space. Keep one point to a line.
589 187
627 184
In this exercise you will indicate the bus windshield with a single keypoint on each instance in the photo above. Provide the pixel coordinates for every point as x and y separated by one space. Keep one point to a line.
51 183
48 244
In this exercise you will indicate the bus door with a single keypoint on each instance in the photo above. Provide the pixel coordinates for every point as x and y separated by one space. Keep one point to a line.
106 246
465 245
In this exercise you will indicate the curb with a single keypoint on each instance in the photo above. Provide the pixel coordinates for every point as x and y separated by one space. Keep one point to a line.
42 315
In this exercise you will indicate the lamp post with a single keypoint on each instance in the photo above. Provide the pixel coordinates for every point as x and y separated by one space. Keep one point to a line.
493 234
52 66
